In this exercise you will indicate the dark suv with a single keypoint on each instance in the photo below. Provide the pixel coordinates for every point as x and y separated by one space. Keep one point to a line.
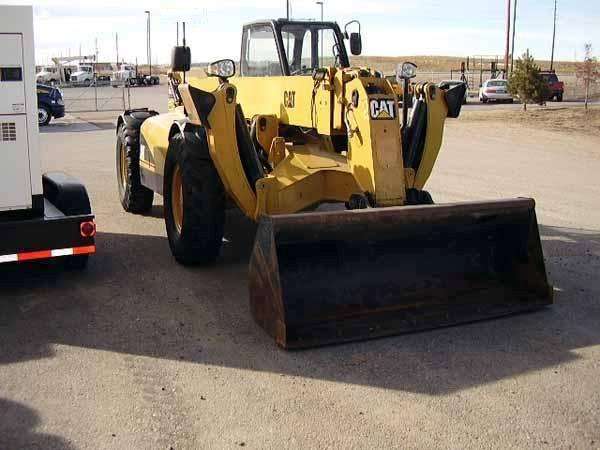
556 88
50 104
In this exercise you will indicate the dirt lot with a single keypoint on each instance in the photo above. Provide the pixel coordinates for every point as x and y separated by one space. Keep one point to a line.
569 120
140 353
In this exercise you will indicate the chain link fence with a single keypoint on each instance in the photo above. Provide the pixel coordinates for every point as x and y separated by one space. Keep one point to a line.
574 87
97 97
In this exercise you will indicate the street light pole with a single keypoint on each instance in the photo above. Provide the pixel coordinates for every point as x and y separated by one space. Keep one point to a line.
149 48
553 38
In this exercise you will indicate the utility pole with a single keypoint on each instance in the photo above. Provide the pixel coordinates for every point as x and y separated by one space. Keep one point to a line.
514 28
117 47
553 38
287 9
320 3
149 48
507 49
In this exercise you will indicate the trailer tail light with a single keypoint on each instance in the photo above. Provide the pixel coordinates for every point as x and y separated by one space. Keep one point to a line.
88 229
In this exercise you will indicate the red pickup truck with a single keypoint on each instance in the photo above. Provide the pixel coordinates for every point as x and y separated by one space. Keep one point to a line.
555 87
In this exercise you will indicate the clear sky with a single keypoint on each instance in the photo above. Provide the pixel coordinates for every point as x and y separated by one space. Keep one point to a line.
390 27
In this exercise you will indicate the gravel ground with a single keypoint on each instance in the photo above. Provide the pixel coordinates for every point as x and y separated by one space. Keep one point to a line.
140 353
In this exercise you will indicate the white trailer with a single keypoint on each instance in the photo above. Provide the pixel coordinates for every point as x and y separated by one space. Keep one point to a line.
41 216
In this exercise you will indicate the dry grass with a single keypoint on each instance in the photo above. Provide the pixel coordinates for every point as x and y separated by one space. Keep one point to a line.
570 120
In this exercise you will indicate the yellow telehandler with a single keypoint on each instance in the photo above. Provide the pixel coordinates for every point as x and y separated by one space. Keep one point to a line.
299 127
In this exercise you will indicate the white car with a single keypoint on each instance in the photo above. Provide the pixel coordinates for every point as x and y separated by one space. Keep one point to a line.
496 90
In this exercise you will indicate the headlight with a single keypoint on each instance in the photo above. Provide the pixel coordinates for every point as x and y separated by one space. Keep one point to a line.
60 102
223 68
406 71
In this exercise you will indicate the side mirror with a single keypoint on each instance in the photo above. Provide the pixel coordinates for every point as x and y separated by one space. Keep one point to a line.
224 68
181 59
355 44
355 38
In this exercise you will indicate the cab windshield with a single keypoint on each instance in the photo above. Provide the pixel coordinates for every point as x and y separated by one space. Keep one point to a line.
309 47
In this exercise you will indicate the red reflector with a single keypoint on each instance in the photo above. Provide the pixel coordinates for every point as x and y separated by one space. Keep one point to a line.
88 229
84 250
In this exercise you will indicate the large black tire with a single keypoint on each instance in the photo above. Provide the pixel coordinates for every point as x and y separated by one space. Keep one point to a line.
134 197
417 197
197 237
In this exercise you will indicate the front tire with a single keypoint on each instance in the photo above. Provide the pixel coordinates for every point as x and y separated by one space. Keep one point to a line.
135 198
194 200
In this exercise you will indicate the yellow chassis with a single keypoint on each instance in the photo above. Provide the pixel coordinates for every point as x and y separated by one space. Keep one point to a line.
305 173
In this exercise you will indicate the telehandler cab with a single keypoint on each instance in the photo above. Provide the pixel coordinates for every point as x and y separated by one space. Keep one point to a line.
299 127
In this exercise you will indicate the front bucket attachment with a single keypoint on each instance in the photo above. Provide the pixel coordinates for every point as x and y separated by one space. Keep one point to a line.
322 278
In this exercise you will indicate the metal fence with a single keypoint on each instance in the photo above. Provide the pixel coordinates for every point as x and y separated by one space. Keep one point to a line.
574 87
98 97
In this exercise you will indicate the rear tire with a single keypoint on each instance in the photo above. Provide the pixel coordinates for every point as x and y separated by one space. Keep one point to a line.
194 200
559 98
44 115
134 197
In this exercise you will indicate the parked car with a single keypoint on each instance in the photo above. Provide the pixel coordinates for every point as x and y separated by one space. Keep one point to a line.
555 86
50 104
495 90
447 84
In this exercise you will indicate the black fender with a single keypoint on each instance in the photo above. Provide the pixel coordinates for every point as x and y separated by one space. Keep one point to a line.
67 193
134 118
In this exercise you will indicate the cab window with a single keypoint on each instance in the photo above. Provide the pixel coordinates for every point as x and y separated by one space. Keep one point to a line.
262 58
309 47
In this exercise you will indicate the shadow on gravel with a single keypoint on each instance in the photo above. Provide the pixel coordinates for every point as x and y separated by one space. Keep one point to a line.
134 299
17 429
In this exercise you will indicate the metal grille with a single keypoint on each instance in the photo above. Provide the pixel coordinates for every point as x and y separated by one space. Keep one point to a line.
8 131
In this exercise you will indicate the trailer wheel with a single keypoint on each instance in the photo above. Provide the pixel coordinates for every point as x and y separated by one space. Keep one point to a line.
194 200
134 197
